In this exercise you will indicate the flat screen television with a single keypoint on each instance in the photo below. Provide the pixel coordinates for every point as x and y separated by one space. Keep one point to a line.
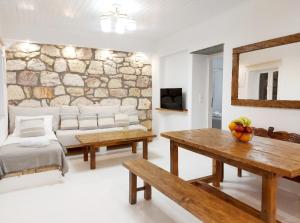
171 98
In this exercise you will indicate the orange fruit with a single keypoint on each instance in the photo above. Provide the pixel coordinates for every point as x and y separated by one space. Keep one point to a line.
236 134
232 126
246 137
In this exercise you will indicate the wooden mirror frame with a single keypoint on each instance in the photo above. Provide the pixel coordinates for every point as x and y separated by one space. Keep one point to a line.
235 74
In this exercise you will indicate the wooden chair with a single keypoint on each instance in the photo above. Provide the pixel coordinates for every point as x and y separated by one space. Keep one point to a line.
279 135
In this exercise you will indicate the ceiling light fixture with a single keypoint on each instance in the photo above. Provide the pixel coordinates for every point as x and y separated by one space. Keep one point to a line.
117 21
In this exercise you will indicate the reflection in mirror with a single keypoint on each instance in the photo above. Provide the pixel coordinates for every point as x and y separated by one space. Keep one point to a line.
270 74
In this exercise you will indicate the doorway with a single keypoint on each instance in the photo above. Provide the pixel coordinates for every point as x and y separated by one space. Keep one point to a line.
216 89
207 87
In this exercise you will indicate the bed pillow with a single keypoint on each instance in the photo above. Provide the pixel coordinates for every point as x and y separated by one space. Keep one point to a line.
133 118
32 127
68 122
106 121
47 123
29 111
87 121
121 120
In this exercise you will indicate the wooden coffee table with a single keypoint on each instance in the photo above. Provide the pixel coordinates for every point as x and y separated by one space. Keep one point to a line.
91 142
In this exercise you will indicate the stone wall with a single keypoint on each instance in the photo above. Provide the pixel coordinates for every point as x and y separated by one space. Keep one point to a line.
53 75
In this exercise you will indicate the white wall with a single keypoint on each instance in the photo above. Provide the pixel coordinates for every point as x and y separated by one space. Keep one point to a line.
3 98
174 72
200 91
250 22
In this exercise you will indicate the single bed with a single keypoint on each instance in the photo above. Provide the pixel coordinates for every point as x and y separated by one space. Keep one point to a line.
20 156
25 155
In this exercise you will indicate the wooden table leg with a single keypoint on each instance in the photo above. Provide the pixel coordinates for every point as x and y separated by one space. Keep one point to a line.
218 172
240 172
147 191
133 146
86 153
268 201
145 149
93 157
222 172
174 158
132 188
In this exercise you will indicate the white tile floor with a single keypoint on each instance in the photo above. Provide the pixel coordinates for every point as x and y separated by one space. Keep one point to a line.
101 195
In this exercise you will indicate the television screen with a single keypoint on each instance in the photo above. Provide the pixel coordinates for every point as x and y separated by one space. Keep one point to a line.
171 98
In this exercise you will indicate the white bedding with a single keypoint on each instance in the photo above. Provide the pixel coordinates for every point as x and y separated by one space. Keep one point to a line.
31 141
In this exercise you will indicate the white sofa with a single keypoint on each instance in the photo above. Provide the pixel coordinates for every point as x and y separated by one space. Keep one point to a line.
68 137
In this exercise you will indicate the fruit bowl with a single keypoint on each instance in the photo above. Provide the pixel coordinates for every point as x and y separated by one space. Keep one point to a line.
241 129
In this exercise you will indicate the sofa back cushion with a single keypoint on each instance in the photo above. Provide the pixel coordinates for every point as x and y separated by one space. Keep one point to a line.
68 121
133 118
30 111
96 109
69 110
121 119
87 121
106 121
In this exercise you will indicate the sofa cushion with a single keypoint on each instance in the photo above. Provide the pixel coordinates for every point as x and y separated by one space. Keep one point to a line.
96 109
133 118
33 111
121 119
68 121
68 137
32 127
106 121
136 127
87 121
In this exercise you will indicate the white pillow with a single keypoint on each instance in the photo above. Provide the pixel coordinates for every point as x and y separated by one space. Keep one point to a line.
121 120
47 123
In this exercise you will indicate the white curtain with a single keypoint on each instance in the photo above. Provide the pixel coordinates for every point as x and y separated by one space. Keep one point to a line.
3 98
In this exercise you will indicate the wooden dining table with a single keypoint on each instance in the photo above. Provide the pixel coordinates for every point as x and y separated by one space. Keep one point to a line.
269 158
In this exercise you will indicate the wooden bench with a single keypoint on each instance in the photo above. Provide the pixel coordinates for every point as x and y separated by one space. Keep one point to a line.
199 202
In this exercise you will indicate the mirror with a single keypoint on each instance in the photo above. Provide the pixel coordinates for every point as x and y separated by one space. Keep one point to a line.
270 74
267 74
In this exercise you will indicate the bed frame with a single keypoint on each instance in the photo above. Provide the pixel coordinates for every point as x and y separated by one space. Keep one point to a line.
31 171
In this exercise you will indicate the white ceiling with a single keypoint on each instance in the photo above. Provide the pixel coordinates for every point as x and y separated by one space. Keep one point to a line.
77 21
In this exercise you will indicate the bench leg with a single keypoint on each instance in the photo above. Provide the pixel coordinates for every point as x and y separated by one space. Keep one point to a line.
132 188
133 146
86 153
240 172
147 192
